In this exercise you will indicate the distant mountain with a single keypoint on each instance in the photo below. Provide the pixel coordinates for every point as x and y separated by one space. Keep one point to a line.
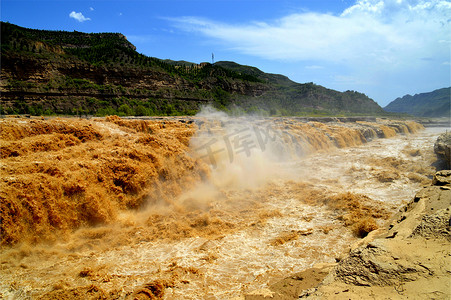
433 104
60 72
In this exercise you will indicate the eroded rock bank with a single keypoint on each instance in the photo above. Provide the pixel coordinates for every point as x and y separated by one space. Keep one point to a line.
408 259
442 148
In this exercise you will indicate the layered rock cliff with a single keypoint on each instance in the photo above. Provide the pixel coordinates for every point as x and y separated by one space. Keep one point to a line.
46 72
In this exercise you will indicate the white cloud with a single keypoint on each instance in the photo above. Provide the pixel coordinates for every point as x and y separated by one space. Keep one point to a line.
366 7
385 48
314 67
375 32
78 16
91 8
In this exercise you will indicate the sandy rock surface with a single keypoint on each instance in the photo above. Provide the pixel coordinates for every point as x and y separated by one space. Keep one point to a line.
442 148
409 259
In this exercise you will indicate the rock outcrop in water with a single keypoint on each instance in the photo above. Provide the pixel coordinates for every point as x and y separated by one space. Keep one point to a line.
408 259
442 148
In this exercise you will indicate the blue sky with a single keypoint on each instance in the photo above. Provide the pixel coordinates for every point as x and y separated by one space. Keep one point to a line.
383 48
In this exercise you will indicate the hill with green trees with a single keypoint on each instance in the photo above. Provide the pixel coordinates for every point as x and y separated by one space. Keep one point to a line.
73 73
433 104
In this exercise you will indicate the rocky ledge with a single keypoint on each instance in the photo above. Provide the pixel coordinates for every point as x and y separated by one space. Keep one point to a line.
408 259
442 148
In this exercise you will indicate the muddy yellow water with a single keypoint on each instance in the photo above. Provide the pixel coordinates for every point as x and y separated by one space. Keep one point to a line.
208 207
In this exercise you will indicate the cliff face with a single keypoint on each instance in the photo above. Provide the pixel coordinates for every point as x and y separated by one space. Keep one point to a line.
74 72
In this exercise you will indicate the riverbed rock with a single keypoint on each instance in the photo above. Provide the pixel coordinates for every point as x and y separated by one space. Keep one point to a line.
442 148
408 259
442 178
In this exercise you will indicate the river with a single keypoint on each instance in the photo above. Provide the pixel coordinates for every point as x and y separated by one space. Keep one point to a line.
257 218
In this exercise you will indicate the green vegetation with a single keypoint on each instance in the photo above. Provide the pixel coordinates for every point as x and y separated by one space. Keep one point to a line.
121 106
74 73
